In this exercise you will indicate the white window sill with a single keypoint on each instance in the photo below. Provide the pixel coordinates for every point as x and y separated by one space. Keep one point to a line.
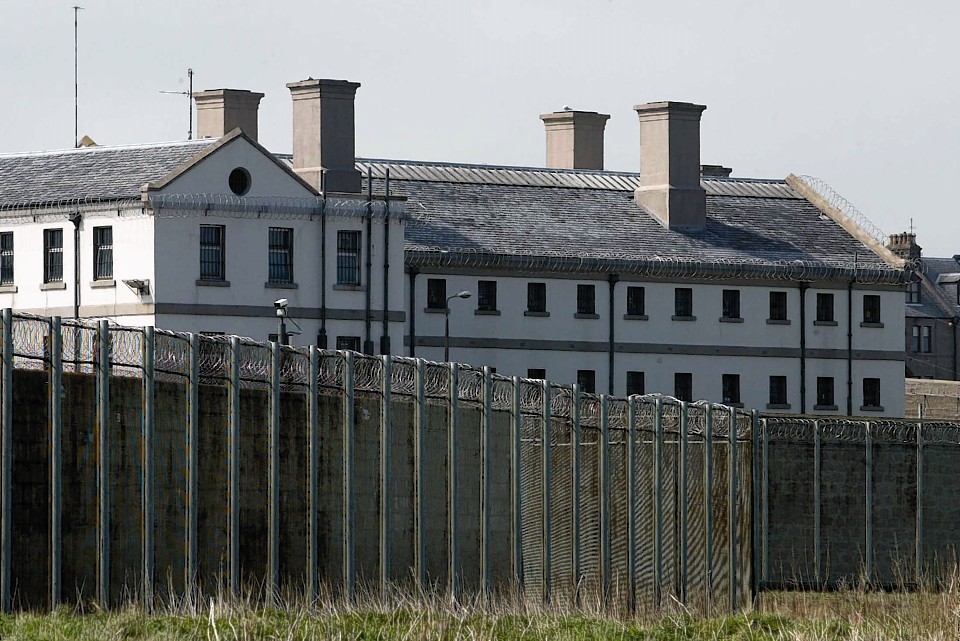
8 289
46 287
102 284
213 283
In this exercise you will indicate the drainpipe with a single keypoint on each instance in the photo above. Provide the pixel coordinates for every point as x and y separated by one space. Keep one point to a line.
75 219
412 273
803 348
385 339
953 322
368 290
850 348
612 279
322 337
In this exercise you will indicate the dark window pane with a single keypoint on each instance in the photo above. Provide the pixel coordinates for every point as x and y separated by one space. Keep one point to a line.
102 253
348 258
635 301
351 343
778 390
635 383
280 255
871 392
436 293
212 252
825 391
487 295
587 380
913 292
683 386
6 258
825 308
778 306
586 299
536 297
925 342
731 388
731 303
537 373
871 308
683 301
52 255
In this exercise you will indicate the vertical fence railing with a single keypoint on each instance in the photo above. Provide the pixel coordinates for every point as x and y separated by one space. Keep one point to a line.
605 523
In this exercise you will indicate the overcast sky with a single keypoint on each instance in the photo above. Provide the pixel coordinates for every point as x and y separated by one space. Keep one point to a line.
860 94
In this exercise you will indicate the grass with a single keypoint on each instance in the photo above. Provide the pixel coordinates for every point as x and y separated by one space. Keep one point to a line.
852 615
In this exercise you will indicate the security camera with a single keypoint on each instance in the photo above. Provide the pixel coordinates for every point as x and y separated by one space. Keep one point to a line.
281 306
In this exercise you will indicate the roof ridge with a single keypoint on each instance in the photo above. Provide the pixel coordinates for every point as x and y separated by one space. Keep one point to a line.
199 142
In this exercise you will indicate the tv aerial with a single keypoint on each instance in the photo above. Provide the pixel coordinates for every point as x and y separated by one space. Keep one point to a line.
189 95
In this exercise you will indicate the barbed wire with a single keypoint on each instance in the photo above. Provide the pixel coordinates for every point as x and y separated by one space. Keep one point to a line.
845 207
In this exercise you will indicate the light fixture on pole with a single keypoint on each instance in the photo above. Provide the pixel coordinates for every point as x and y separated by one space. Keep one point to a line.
446 322
281 306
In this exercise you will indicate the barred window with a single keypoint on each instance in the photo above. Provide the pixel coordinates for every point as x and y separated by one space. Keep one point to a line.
436 293
731 303
102 253
825 392
683 301
52 255
683 386
537 373
871 392
731 389
587 380
586 299
348 258
351 343
212 240
825 310
871 308
280 255
778 390
537 297
635 301
635 383
778 306
487 295
6 258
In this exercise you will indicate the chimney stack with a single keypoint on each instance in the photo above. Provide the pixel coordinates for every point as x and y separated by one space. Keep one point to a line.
575 139
323 134
220 111
905 246
670 164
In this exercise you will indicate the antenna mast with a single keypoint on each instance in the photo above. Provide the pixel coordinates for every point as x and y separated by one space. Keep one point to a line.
189 95
76 84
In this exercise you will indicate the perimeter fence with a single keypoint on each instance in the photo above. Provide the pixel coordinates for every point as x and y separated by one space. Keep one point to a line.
138 462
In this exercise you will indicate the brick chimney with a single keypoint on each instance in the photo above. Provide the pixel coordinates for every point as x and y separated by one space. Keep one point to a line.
575 139
670 164
323 134
905 246
220 111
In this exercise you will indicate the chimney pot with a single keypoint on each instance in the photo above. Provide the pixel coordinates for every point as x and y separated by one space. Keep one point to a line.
324 145
905 246
575 139
220 111
670 164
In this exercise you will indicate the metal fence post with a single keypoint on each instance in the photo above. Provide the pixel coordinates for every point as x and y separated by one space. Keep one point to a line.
755 504
708 497
632 500
349 575
103 463
658 503
453 490
419 471
233 400
6 463
918 561
817 502
545 453
147 464
605 543
56 458
765 502
486 427
684 501
515 477
868 525
273 474
732 509
575 508
193 431
313 488
386 480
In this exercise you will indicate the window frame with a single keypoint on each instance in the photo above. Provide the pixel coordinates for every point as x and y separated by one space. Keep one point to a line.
926 339
683 386
7 272
587 380
532 373
349 255
636 300
826 393
730 389
280 256
635 380
53 269
435 286
348 343
915 334
871 309
537 298
103 253
486 295
778 306
777 390
871 392
216 253
730 304
913 293
683 302
825 308
586 299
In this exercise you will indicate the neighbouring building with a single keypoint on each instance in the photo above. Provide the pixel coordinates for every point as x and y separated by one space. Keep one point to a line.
678 279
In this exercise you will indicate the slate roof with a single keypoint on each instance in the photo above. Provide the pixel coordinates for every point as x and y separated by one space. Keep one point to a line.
592 215
937 271
96 173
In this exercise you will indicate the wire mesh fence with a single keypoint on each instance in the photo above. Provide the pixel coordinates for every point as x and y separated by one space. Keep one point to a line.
218 460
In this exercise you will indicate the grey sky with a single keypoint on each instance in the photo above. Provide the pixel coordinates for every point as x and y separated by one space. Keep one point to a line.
860 94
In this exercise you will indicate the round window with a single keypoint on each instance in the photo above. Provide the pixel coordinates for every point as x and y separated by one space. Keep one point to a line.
239 181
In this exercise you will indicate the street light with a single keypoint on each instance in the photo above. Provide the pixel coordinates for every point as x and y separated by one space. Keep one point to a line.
446 322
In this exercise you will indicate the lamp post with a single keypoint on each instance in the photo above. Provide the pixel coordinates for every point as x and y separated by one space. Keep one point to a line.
446 323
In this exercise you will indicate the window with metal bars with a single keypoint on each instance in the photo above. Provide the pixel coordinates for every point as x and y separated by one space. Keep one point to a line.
6 258
351 343
102 253
586 299
212 246
587 380
731 303
436 293
487 295
683 301
635 301
52 255
825 392
348 258
871 392
778 307
778 390
537 297
683 386
537 373
731 388
871 308
635 383
280 255
825 309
